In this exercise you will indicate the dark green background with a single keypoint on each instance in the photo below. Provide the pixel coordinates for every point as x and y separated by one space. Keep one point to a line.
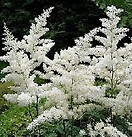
69 19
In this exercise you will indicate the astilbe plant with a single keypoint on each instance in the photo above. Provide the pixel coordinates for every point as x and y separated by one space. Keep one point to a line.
71 90
112 64
24 57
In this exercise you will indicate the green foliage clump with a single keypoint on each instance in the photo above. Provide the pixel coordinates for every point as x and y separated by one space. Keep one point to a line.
4 89
13 122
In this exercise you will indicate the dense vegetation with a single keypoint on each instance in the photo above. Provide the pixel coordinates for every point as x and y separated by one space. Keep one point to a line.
69 20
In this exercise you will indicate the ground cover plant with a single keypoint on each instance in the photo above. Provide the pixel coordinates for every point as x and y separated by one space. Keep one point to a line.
86 90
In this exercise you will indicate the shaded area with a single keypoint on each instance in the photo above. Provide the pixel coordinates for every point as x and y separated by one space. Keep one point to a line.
69 19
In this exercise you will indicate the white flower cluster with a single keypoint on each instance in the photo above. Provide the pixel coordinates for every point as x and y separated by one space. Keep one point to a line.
23 57
72 73
104 129
47 116
111 62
